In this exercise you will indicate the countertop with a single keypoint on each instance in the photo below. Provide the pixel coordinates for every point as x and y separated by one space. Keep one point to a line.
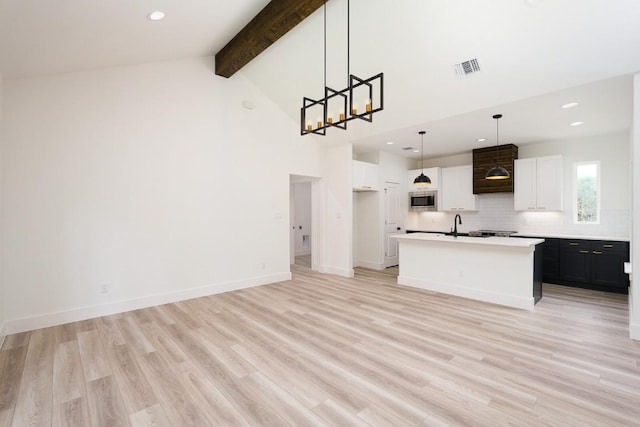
542 236
572 236
490 241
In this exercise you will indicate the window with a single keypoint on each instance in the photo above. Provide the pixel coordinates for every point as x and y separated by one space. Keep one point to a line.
587 193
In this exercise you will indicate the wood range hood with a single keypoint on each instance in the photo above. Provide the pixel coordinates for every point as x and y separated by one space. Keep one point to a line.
484 159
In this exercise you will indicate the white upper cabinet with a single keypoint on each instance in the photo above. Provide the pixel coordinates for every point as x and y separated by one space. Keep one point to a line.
538 184
432 173
365 176
456 192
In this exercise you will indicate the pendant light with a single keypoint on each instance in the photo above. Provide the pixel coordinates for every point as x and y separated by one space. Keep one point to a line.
422 180
497 172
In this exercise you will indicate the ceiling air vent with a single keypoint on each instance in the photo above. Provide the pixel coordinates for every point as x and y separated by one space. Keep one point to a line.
467 67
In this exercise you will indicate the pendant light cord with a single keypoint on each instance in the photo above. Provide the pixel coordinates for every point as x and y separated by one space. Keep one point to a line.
422 153
497 139
325 48
348 43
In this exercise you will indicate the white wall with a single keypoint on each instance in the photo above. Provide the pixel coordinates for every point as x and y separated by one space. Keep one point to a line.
151 178
634 291
496 210
338 205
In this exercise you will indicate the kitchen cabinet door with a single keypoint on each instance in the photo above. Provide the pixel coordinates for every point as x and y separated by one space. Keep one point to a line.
607 269
607 263
538 184
365 176
549 174
524 196
575 261
457 189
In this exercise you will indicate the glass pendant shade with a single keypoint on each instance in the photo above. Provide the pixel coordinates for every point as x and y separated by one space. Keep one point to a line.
497 172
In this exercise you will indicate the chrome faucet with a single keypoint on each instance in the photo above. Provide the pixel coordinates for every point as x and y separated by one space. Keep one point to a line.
456 220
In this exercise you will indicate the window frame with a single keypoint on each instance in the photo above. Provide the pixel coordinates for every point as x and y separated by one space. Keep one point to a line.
598 190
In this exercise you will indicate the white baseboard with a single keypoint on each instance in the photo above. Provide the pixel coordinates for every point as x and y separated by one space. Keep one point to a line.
369 264
1 336
460 291
303 252
90 312
338 271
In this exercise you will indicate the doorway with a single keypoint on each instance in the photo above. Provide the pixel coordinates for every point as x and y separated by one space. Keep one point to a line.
303 223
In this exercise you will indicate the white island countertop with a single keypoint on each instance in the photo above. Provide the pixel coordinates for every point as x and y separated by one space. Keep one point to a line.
492 241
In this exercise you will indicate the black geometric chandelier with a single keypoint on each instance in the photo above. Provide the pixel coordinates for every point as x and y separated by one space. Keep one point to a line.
338 107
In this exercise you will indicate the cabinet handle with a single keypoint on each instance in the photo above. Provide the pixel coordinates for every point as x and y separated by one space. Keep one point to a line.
607 246
574 244
586 252
597 252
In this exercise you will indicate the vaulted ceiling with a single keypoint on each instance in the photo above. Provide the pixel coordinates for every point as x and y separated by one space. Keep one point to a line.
534 55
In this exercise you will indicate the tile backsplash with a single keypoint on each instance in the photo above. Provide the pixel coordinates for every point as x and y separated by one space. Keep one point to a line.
496 213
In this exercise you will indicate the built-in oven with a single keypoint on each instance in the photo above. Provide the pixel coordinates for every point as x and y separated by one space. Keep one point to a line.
421 201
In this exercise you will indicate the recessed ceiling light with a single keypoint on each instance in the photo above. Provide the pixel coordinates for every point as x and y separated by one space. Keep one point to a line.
569 105
481 139
156 15
390 142
416 151
576 123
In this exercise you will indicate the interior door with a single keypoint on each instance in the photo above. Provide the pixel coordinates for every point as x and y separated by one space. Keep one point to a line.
391 224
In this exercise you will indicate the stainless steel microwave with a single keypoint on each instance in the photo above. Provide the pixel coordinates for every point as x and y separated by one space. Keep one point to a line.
422 201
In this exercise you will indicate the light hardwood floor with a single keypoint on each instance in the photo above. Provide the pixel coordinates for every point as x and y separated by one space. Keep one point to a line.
324 350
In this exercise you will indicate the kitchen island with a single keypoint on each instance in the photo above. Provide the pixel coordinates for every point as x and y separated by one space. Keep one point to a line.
500 270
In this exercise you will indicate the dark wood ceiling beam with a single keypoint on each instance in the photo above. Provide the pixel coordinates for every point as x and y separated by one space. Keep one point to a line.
273 22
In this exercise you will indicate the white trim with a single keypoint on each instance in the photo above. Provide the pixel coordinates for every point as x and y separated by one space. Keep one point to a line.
90 312
461 291
338 271
303 252
2 336
369 264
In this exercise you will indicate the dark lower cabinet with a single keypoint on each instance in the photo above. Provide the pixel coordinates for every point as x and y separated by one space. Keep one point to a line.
594 264
607 264
575 261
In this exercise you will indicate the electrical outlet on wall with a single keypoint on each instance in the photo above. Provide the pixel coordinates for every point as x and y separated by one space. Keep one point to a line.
105 288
